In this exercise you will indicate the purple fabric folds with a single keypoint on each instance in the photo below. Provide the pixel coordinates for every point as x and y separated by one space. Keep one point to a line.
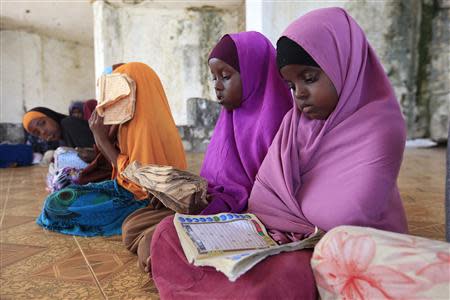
242 137
343 170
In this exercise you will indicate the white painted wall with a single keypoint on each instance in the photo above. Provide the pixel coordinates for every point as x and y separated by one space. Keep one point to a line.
272 17
37 70
374 17
175 41
393 30
254 15
69 20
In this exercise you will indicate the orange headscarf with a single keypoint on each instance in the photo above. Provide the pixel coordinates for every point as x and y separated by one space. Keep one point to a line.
30 116
151 137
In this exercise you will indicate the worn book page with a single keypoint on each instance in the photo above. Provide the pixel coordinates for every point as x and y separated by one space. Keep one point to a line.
117 98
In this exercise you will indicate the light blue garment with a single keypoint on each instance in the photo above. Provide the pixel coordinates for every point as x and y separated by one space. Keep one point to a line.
68 157
108 70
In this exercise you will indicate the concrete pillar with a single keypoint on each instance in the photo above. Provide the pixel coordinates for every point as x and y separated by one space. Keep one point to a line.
254 15
438 71
172 37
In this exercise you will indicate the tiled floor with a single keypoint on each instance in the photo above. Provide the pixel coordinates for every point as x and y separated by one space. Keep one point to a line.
39 264
422 187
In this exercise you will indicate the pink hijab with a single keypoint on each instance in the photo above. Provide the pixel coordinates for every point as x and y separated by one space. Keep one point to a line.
343 170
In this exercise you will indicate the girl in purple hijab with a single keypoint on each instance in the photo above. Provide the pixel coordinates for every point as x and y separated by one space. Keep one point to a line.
255 99
334 161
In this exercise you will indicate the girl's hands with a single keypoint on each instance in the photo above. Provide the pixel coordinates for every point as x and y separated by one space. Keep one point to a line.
101 136
86 154
99 130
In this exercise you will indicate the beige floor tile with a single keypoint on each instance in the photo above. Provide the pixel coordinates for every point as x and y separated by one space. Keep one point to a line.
32 209
13 221
12 253
49 270
32 234
129 284
422 187
47 289
124 280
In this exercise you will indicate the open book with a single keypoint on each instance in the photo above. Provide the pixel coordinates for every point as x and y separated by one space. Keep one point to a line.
231 243
117 98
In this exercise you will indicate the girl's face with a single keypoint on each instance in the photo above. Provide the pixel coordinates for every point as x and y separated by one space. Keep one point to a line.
314 93
227 84
45 128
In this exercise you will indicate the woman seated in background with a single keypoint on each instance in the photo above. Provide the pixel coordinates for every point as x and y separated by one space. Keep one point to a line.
60 130
51 126
150 137
334 161
82 109
255 100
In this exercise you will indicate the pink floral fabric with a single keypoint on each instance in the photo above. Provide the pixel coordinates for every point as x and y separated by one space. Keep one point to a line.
363 263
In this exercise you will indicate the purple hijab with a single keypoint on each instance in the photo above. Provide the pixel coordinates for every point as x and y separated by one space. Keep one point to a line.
343 170
242 136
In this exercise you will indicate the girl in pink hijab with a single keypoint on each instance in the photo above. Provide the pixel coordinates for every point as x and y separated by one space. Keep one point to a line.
336 158
334 161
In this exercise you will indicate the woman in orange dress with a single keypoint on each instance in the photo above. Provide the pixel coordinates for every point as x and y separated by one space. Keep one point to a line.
150 137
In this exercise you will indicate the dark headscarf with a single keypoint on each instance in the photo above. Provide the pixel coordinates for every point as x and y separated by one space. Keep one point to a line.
39 112
75 132
226 51
291 53
57 117
76 105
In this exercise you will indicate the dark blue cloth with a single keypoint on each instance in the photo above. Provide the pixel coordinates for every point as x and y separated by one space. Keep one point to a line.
95 209
15 155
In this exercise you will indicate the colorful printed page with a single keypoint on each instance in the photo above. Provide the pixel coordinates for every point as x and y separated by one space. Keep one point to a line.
225 232
231 243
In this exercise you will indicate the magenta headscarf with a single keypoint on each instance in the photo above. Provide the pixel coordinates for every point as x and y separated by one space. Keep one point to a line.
343 170
242 136
88 108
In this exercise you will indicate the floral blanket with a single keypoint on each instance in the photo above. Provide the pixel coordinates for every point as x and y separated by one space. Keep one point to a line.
364 263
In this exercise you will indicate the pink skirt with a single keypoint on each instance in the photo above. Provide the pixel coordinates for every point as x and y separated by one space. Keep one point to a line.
283 276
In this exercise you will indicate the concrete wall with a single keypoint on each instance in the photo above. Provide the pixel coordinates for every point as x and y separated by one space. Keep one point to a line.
437 79
411 39
37 70
174 39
